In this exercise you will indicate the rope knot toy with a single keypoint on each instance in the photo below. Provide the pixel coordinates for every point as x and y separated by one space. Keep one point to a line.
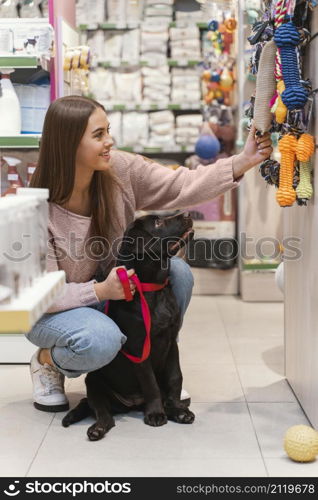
287 38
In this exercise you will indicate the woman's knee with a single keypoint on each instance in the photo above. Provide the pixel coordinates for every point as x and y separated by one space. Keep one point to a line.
98 346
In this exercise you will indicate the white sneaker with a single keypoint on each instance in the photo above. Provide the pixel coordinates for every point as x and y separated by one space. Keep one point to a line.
48 386
185 395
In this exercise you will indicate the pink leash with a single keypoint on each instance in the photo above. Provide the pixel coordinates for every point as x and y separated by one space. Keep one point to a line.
141 287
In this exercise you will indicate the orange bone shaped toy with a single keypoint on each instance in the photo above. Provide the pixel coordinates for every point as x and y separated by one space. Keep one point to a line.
286 194
305 149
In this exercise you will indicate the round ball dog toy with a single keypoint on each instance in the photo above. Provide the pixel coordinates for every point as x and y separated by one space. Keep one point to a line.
301 443
207 146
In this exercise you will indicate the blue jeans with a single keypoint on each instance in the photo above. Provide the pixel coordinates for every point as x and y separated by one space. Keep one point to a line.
84 339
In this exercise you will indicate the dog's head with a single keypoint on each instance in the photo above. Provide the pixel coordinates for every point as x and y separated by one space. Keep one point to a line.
155 238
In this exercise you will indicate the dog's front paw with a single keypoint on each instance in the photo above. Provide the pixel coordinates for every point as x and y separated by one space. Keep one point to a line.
98 430
155 419
181 415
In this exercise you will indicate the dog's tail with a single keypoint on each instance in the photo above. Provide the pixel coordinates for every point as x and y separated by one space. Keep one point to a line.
81 411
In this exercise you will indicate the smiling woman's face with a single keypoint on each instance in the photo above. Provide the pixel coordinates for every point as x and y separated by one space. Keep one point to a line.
93 150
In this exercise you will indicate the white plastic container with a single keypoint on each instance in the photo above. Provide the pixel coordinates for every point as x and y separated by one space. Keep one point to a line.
42 196
10 111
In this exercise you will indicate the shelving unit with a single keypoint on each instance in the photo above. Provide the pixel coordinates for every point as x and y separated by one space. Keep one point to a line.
158 149
20 141
19 62
182 63
126 106
133 25
23 312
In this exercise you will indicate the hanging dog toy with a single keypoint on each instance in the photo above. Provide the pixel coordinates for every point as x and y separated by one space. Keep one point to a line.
305 149
265 87
279 107
286 194
287 38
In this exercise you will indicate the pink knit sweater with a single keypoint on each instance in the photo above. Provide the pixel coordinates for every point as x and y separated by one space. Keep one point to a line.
147 186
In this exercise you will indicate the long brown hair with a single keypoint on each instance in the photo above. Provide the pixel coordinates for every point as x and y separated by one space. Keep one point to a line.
64 126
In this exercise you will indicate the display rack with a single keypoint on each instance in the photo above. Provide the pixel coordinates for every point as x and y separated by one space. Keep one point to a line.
134 25
23 312
20 141
182 63
124 106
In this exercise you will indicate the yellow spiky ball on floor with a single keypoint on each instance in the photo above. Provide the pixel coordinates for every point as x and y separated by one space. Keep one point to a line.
301 443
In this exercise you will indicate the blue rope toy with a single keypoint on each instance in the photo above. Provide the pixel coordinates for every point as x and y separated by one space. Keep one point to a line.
287 38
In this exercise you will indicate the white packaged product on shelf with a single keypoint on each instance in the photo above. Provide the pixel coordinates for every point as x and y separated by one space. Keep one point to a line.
8 8
20 231
6 276
187 131
10 111
127 85
187 44
158 117
189 120
179 95
163 2
190 16
32 39
115 120
131 46
153 81
158 10
6 41
135 129
89 11
30 9
113 43
134 10
101 84
96 42
162 128
186 33
34 102
185 72
162 71
116 11
41 195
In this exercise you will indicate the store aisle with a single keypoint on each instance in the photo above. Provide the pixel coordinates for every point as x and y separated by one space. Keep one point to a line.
232 359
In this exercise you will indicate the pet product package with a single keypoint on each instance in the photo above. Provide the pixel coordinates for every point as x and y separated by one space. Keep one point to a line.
131 46
115 121
116 11
113 44
90 11
101 84
128 85
135 129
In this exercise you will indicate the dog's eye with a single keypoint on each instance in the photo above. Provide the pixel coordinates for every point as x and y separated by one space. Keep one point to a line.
158 223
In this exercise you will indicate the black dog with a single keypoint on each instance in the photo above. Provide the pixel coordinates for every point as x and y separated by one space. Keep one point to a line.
153 385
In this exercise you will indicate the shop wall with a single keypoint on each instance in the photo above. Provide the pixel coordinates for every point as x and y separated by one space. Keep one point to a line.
301 281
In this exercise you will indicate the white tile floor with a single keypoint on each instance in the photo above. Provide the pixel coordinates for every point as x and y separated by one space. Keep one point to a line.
232 361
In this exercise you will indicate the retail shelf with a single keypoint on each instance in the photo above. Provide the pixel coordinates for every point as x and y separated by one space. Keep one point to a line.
261 266
132 25
20 141
18 62
21 314
158 149
143 62
126 106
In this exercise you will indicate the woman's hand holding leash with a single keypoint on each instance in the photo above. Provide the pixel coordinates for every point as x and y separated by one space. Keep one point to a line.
111 288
